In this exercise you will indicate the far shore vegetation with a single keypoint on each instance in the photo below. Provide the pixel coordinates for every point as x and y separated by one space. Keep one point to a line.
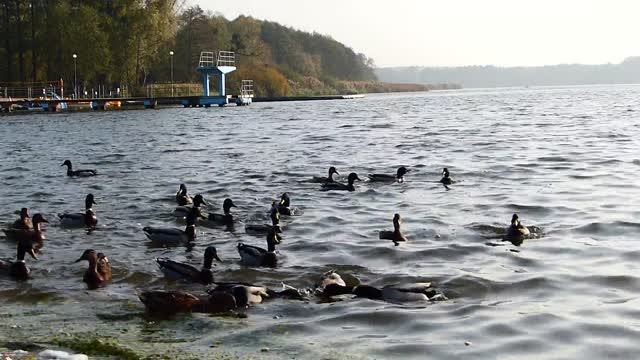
127 44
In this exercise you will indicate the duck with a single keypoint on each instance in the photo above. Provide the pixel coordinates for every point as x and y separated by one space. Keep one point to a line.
181 196
249 294
172 236
255 256
87 219
396 235
416 292
34 235
331 284
446 177
24 223
327 179
19 269
336 186
284 206
226 218
183 211
79 173
516 232
262 229
399 176
334 286
99 272
176 301
181 271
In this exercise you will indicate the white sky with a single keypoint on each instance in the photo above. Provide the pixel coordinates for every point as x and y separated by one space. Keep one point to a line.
461 32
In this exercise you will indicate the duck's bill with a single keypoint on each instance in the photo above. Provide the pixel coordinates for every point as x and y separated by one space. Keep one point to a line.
217 258
32 252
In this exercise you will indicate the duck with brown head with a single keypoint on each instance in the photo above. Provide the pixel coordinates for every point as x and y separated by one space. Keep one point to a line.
181 271
87 219
99 272
19 269
78 173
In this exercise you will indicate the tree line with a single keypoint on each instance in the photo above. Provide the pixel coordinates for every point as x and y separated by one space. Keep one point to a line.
127 44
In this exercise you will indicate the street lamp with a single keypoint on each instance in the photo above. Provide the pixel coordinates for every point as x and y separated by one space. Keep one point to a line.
75 76
171 54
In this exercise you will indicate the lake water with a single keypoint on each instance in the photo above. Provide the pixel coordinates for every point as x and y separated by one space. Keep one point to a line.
565 159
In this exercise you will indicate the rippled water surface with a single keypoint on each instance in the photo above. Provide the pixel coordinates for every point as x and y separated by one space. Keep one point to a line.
565 159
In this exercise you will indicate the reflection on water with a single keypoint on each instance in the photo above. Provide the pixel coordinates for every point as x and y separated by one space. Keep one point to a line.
564 159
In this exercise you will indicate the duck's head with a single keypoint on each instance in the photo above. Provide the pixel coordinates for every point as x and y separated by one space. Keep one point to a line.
210 254
353 177
88 201
275 214
183 189
402 171
445 172
88 255
198 200
26 247
67 163
332 170
227 204
273 235
396 221
515 220
38 219
285 200
24 213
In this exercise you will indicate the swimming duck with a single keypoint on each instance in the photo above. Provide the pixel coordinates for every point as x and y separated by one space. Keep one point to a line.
331 284
284 207
392 293
181 196
88 218
516 231
256 256
99 271
80 173
400 293
336 186
171 302
24 223
172 236
446 177
399 176
181 271
262 229
249 294
324 180
19 269
183 211
34 235
395 235
226 218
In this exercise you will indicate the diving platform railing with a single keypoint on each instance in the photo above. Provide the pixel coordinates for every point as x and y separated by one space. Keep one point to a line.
216 65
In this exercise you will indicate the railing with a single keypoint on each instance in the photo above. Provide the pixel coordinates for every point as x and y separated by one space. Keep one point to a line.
226 58
246 89
207 59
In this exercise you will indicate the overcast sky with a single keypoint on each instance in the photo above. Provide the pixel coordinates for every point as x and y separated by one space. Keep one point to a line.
461 32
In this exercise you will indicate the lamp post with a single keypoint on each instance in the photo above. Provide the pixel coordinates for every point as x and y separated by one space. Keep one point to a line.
171 55
75 76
